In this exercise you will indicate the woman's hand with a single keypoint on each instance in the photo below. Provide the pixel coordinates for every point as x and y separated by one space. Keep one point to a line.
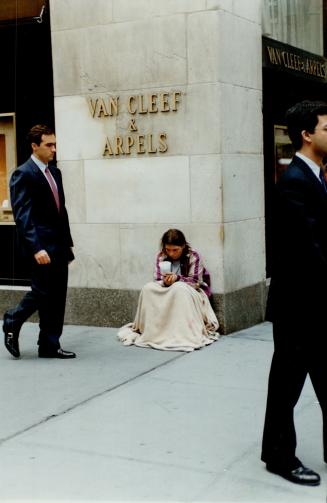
169 278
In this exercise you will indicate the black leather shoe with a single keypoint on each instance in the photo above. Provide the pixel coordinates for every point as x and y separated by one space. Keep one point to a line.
59 353
300 475
11 343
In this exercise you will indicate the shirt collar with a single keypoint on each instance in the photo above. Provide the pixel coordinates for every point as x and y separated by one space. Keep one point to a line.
39 163
312 165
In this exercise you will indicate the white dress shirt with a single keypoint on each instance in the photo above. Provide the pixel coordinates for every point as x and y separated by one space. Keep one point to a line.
42 167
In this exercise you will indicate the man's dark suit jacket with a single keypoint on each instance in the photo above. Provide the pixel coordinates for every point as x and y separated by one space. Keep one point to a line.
298 290
40 226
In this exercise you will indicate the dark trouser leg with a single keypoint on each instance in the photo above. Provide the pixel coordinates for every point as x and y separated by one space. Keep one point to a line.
48 297
318 376
52 305
286 380
14 318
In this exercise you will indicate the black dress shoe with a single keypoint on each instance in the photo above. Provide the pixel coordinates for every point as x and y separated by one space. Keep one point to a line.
11 343
59 353
300 475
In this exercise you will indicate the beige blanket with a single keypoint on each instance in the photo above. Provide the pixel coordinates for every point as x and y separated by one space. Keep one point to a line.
175 318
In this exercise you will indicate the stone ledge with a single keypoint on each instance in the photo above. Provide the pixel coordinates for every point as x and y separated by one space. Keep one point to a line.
103 307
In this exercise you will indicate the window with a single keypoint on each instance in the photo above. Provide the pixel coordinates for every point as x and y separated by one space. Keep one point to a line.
284 150
11 10
7 163
295 22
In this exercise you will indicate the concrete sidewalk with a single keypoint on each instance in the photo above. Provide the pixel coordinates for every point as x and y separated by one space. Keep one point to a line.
130 424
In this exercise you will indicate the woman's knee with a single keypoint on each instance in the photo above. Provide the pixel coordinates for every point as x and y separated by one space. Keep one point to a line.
180 286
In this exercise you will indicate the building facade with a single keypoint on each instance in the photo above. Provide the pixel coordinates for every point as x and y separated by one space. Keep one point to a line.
161 115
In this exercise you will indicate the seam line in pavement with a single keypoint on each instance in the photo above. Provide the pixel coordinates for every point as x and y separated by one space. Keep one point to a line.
131 459
87 400
251 338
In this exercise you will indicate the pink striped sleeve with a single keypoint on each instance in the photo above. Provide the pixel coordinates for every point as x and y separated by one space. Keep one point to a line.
195 272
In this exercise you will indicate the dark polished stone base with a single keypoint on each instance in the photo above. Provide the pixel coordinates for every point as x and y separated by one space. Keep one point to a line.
100 307
242 308
103 307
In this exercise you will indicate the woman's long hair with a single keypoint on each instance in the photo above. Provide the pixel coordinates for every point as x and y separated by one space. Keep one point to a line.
177 238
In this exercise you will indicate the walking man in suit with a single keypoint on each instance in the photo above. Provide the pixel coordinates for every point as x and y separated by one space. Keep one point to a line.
38 204
298 292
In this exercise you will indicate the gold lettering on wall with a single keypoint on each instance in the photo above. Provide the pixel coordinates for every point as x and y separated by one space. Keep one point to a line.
141 108
99 107
138 144
107 148
131 105
92 105
113 105
153 103
163 147
164 104
119 146
151 148
176 97
132 125
103 106
130 143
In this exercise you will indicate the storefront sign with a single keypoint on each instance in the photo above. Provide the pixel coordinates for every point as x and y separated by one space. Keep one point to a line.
135 141
290 59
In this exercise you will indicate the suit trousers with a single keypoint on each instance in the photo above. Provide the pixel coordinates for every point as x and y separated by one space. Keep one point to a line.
298 353
48 297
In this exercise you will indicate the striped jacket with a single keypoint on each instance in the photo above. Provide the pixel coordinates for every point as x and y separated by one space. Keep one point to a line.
193 271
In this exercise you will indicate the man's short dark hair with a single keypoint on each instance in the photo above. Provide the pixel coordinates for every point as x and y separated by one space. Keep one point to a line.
35 134
303 116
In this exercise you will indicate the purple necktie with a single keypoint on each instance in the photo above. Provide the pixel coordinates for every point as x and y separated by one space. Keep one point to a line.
323 180
53 187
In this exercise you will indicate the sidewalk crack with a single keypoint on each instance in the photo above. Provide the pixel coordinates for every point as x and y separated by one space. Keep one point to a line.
86 400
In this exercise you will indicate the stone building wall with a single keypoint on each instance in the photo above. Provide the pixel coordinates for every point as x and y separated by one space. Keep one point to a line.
191 72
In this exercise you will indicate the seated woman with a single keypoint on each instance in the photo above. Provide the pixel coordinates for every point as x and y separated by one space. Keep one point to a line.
174 312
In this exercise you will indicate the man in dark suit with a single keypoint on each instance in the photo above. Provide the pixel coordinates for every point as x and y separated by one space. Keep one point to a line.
298 292
38 204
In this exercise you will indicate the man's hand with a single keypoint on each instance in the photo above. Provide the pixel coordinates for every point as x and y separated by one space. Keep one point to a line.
169 279
42 257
